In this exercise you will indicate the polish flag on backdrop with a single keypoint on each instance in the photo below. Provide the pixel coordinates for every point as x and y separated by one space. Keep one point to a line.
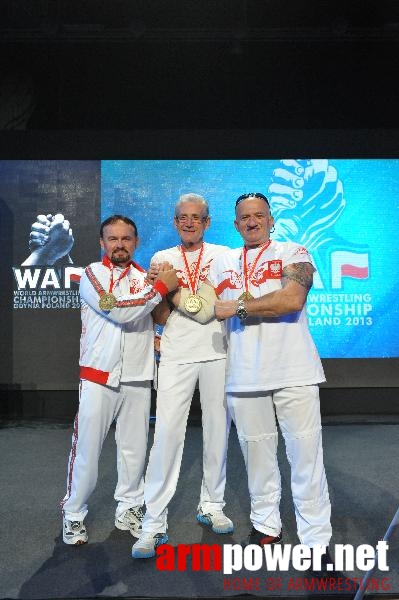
349 264
357 266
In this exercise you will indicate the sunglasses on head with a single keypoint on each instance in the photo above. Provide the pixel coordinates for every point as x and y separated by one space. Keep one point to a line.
252 195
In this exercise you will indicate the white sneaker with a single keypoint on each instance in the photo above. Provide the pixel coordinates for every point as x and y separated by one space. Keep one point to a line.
130 520
216 520
74 532
146 544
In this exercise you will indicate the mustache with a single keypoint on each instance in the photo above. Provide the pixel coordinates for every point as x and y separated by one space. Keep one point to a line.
116 258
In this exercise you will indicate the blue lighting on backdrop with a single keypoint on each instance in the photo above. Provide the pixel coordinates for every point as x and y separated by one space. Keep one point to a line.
344 211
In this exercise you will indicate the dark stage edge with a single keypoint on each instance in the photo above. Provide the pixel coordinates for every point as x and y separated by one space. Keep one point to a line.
249 596
361 464
367 404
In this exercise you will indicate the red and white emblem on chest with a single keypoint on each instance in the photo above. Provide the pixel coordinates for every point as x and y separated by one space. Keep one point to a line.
275 268
231 281
271 269
136 285
182 275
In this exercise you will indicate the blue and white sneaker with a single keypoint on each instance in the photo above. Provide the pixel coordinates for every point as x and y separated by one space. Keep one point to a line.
216 520
147 543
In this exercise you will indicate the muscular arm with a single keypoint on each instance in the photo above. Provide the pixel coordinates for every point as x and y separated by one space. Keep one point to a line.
296 282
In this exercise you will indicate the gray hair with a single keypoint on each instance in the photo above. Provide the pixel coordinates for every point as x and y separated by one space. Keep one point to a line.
191 197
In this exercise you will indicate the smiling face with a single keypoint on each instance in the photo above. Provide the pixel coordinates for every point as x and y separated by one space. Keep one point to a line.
119 243
191 222
253 221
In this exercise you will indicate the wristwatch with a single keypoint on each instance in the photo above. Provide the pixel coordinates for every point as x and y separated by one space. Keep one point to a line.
241 310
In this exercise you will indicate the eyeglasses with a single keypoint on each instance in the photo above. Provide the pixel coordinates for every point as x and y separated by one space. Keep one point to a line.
193 218
252 195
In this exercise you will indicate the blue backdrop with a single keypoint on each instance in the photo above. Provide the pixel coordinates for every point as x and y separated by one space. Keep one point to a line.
344 211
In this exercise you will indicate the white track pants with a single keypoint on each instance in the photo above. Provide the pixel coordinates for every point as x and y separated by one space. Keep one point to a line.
99 406
298 414
176 385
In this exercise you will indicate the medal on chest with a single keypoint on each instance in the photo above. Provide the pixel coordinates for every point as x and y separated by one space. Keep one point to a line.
248 272
193 303
107 301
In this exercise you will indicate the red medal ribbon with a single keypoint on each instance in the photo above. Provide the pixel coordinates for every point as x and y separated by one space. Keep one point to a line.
248 275
192 281
111 267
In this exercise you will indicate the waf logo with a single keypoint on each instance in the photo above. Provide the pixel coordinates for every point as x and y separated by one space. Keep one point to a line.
307 199
47 277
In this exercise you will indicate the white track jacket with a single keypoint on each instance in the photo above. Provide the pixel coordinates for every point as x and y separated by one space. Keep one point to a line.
125 332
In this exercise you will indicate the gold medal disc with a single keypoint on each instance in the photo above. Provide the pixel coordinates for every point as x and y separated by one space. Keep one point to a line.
193 303
107 302
246 296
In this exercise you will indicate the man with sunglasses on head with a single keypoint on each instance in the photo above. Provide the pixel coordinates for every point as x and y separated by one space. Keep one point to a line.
273 370
191 352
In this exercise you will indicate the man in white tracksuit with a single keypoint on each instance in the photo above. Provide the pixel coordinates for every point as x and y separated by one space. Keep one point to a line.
191 352
116 369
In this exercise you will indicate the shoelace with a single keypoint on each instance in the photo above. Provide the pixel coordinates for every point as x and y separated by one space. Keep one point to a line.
216 513
137 512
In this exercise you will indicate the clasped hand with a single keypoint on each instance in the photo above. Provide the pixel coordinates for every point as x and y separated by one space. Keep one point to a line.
224 309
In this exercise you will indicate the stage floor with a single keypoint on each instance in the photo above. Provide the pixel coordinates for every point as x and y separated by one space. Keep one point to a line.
361 460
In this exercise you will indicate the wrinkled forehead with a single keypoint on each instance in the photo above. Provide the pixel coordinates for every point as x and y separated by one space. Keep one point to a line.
190 208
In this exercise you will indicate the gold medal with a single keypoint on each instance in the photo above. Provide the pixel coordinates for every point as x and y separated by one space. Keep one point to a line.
246 296
107 302
193 303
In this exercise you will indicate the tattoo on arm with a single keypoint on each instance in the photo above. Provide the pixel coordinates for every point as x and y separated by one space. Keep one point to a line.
302 273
